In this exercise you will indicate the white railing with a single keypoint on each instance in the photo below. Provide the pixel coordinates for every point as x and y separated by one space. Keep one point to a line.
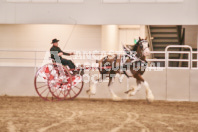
181 52
35 57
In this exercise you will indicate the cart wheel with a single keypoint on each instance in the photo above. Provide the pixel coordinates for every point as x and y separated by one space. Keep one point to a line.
76 87
60 85
41 82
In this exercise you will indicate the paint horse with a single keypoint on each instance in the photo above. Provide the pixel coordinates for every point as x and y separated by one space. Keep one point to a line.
132 62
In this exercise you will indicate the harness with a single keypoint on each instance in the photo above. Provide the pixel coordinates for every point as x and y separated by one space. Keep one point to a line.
133 59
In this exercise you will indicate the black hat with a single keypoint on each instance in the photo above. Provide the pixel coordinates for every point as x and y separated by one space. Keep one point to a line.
54 40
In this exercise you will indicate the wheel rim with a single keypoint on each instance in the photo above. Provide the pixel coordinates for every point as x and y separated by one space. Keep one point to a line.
51 87
41 83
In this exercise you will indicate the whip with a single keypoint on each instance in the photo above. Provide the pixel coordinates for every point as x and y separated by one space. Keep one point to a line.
75 22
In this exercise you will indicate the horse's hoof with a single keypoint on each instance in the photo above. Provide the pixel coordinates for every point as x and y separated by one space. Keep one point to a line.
92 90
116 98
89 92
130 90
131 93
150 98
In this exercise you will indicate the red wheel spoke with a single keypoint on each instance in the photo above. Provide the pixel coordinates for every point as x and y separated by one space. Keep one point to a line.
65 95
47 94
55 91
59 93
44 91
76 87
62 93
73 91
41 86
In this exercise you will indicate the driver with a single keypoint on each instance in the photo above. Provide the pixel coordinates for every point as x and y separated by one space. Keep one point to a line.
56 55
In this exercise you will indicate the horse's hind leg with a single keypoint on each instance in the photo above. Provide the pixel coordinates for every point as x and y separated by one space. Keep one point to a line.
93 87
114 96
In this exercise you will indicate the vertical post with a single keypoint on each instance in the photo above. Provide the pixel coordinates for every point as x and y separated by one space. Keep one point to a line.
189 58
189 66
110 37
166 65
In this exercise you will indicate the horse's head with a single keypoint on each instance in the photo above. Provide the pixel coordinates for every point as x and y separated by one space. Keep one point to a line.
142 47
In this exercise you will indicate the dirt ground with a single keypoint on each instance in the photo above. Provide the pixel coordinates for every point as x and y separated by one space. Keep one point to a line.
31 114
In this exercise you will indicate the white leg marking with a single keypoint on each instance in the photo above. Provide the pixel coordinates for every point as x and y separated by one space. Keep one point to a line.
92 89
114 96
149 94
134 90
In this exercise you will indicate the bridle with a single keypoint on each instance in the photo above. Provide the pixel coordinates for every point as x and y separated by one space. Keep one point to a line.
133 57
142 41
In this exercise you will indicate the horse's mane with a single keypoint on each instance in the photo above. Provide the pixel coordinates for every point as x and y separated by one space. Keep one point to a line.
136 46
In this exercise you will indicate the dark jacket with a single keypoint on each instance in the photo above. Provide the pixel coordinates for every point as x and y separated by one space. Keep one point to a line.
54 52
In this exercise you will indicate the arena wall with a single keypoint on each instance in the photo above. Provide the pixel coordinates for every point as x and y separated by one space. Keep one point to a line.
174 85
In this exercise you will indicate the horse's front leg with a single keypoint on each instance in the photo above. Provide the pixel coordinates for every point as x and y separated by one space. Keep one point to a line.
149 94
134 90
139 80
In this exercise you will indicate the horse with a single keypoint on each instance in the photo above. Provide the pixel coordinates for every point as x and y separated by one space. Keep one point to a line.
132 62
